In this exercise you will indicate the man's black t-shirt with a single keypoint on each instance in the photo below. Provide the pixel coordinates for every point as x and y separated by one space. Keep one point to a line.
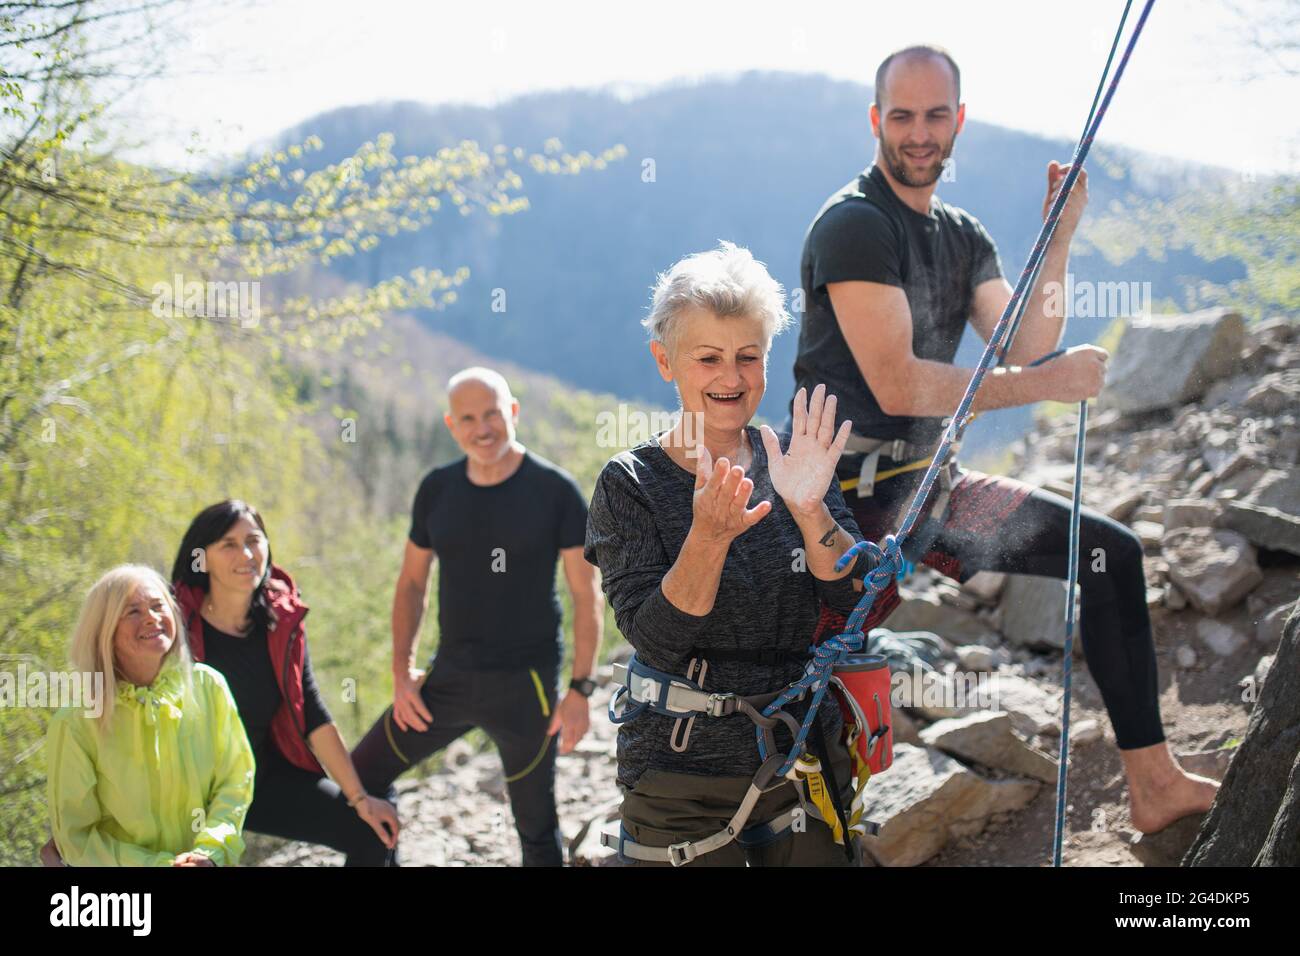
497 547
865 233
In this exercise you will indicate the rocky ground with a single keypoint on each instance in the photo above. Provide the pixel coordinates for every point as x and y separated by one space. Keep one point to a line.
1194 446
458 815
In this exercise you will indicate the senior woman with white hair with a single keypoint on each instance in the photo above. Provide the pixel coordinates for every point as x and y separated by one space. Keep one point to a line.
698 576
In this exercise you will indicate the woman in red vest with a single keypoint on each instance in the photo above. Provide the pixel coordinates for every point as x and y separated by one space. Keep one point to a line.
244 617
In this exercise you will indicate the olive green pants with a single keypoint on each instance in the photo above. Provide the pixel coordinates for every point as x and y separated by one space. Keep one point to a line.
664 808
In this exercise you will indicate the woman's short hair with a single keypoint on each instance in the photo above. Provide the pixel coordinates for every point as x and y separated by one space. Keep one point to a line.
92 639
727 281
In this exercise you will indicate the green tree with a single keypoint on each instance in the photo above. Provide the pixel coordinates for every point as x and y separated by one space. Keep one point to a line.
151 338
1255 223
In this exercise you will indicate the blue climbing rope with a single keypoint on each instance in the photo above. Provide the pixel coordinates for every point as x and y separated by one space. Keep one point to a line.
1063 758
888 555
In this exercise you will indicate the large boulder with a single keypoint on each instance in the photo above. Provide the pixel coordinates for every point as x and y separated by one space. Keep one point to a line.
1278 488
1033 611
1214 568
1169 360
1190 513
926 799
1033 709
1262 526
1255 819
924 611
1274 394
987 738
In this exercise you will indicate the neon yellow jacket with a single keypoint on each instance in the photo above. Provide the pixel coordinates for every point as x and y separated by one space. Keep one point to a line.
171 775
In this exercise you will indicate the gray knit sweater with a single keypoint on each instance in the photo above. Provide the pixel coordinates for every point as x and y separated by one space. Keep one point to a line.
640 514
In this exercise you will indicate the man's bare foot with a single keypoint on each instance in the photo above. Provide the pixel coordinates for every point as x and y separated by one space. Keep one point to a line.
1160 791
1154 808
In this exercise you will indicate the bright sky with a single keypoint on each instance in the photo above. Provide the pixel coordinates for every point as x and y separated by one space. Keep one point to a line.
1195 89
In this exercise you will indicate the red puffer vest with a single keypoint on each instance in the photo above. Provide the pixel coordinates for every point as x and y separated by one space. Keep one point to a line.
287 642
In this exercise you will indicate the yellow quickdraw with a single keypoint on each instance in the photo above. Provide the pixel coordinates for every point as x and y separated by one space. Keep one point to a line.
808 770
861 774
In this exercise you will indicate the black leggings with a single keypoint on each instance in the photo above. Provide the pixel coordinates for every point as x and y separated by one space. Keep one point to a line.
514 707
1000 524
296 804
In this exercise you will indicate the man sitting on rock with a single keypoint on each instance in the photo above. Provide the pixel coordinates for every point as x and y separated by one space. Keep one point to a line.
891 275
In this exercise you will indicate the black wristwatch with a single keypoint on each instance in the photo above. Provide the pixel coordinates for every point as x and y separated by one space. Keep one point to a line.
585 687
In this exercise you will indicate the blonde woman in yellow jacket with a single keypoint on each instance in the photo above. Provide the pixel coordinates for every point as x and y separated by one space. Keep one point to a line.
164 775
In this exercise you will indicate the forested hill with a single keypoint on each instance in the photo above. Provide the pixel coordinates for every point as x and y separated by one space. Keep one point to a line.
749 159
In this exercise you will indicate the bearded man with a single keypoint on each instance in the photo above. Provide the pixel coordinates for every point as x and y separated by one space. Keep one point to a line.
891 276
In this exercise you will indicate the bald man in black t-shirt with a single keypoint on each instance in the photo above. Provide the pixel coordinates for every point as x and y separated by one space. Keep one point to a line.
498 520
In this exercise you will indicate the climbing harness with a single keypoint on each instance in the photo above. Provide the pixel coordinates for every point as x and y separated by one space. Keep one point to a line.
873 449
645 688
934 513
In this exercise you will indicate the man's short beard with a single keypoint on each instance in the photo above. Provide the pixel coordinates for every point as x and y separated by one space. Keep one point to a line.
898 169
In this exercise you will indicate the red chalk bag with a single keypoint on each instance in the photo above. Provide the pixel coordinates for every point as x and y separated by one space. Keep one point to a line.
865 678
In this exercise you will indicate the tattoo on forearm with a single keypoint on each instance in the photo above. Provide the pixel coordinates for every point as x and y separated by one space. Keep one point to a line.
828 539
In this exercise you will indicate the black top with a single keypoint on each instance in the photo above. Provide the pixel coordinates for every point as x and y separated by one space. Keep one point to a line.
497 548
247 667
865 233
641 512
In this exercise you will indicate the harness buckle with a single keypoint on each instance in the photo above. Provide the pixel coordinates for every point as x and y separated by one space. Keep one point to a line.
720 705
867 474
618 673
679 853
